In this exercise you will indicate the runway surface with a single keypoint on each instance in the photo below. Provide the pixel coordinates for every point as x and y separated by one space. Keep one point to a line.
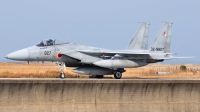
75 94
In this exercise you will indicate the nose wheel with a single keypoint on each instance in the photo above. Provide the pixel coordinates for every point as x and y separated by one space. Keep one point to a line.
61 66
62 75
117 75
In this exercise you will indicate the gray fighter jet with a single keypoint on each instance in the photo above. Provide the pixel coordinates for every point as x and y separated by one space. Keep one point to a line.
98 61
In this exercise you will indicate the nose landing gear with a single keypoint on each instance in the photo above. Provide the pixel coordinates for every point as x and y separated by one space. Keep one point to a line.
61 66
62 75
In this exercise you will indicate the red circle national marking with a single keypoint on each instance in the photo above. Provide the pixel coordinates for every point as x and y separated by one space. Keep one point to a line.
59 55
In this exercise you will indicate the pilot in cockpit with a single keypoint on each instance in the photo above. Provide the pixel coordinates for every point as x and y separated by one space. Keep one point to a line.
49 42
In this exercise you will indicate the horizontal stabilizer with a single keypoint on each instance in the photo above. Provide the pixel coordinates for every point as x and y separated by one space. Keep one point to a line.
179 57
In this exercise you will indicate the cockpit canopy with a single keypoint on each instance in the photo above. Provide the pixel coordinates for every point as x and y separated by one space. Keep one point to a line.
49 42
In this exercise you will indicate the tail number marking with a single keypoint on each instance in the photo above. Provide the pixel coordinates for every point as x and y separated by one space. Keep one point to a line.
157 49
47 52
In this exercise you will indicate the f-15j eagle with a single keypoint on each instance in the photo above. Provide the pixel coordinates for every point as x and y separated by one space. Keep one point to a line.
98 61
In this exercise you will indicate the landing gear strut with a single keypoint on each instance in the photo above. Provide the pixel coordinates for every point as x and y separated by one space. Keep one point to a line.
61 66
117 75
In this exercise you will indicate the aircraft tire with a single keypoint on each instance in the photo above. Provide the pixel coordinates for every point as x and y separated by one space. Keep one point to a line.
117 75
99 76
62 75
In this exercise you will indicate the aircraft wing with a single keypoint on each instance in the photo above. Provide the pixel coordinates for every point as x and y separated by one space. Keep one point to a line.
166 56
123 52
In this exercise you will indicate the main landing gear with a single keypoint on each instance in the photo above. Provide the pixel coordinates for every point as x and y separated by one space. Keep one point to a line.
117 75
61 66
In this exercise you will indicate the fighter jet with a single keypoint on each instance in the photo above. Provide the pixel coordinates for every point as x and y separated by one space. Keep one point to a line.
98 61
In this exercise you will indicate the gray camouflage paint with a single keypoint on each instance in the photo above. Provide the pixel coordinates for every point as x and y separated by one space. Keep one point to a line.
104 60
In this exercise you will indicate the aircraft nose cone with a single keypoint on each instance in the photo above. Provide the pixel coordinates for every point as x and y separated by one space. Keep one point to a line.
21 55
6 56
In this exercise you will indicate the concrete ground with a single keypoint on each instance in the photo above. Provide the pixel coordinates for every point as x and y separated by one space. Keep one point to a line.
60 95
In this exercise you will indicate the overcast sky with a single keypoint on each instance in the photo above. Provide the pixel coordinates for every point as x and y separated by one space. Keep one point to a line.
107 24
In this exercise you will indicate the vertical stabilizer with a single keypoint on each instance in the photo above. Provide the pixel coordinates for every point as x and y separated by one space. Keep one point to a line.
162 41
140 40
